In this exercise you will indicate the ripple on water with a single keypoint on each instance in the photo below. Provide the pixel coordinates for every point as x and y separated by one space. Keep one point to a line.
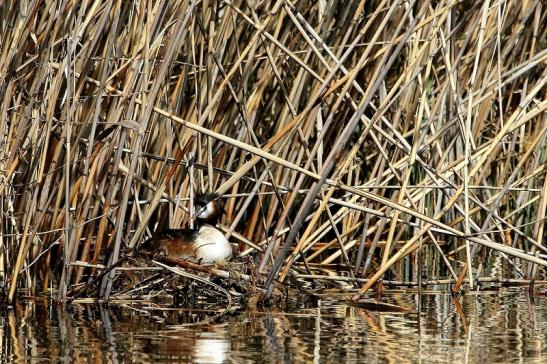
504 326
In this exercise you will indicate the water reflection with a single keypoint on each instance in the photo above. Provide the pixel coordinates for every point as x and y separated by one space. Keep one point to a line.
492 327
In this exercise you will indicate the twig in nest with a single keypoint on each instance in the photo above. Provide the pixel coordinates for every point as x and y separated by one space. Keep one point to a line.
192 276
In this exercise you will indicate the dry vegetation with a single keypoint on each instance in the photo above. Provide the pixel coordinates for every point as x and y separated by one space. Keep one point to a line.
383 127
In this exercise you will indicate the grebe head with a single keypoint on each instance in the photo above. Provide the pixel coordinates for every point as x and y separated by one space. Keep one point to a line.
207 208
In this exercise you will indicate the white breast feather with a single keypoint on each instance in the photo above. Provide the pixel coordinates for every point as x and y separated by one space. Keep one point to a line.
212 246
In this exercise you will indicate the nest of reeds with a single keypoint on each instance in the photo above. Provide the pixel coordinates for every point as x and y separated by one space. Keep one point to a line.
350 141
178 285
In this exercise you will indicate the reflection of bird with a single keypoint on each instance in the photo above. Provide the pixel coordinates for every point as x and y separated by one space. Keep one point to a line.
211 350
207 347
204 243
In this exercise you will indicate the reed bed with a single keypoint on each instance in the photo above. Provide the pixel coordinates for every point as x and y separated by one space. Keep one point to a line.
359 140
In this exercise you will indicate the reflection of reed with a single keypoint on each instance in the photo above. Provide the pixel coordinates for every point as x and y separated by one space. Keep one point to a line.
109 337
461 315
17 345
497 327
66 335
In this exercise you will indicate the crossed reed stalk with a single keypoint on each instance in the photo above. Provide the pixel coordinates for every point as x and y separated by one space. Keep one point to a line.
347 132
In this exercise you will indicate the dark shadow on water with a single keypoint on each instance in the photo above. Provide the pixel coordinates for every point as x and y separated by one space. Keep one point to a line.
501 326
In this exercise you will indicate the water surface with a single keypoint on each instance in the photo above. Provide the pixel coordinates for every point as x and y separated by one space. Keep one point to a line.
500 326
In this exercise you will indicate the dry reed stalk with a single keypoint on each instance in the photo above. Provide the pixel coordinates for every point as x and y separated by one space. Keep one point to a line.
349 132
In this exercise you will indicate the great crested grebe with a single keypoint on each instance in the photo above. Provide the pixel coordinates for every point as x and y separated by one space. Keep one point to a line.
204 243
